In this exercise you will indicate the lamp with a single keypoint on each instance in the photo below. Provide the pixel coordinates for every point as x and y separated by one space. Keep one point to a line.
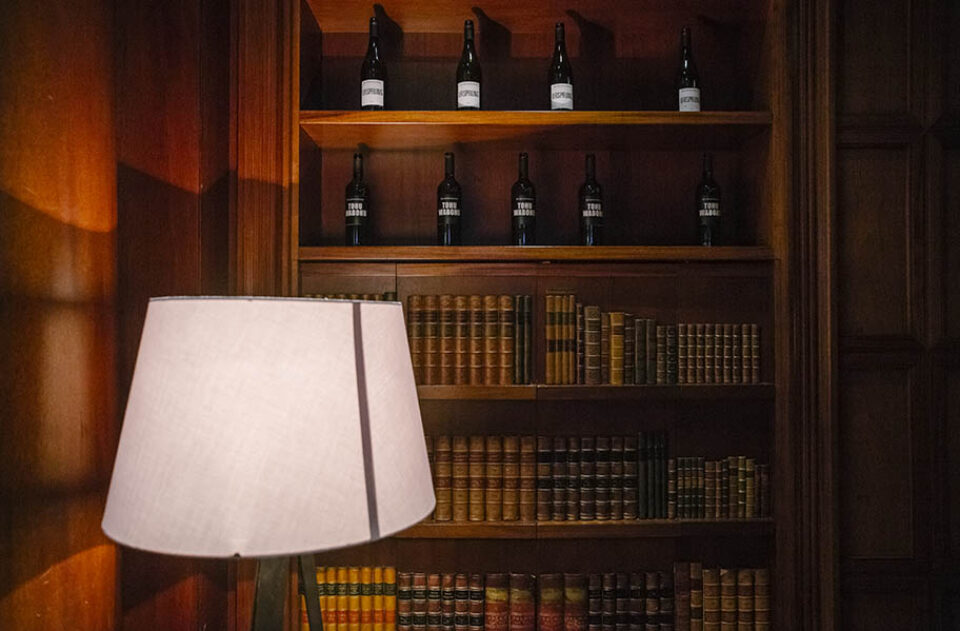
269 427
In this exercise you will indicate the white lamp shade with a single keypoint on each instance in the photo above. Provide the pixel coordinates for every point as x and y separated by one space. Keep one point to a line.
246 431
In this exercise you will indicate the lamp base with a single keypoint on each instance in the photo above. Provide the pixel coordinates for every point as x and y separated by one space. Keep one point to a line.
271 592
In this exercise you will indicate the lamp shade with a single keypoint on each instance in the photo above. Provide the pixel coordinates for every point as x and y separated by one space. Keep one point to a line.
268 426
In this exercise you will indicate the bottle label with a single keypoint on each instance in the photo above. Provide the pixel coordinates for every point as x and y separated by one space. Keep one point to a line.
593 207
561 96
468 94
449 207
524 207
371 93
710 207
689 99
356 209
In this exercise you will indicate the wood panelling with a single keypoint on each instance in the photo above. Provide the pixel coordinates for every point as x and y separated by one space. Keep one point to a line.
952 470
900 609
874 58
874 217
57 306
875 447
951 243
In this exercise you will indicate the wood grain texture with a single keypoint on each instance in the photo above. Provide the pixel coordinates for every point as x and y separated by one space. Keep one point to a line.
532 253
57 303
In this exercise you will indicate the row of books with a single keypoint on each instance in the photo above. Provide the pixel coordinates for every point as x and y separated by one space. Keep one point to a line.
476 340
584 478
356 598
390 296
585 345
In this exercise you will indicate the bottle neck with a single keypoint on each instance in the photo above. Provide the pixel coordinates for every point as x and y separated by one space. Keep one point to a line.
448 166
559 36
707 167
374 43
591 168
468 34
357 168
523 166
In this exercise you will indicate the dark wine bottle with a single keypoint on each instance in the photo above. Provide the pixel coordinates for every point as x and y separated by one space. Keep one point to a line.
688 81
591 207
372 72
448 205
708 206
561 74
468 72
357 206
523 199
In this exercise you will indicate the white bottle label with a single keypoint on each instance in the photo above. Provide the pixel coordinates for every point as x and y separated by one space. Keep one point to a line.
468 94
561 96
524 207
356 207
449 207
593 207
689 99
710 208
371 93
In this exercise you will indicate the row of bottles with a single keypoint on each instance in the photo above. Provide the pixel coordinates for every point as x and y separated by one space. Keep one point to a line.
523 204
560 74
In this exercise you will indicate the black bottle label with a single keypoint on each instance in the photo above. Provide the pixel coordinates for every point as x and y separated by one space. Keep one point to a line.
524 207
449 207
592 207
709 207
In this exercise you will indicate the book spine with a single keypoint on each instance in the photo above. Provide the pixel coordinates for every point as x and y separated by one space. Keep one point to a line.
616 347
640 351
710 489
671 363
588 481
511 472
518 348
728 599
493 496
691 353
594 602
581 350
574 602
443 477
448 596
559 475
661 487
741 487
496 603
623 602
643 489
666 601
461 341
717 353
608 602
476 340
382 601
550 588
528 339
765 491
745 598
550 336
736 370
746 359
681 354
630 508
652 601
709 353
476 603
592 345
573 479
476 471
616 477
733 487
570 337
638 613
661 354
448 326
434 603
415 334
461 479
528 478
750 499
605 347
404 602
491 341
431 341
602 478
696 596
461 611
700 351
523 616
506 308
431 460
681 582
672 490
711 599
761 599
544 478
755 353
629 349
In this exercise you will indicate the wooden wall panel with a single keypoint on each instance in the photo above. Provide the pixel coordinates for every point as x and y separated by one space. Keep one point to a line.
57 299
874 232
901 609
952 448
951 241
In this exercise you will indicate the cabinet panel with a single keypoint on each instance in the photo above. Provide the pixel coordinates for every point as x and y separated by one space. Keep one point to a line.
876 471
952 434
874 236
885 611
951 242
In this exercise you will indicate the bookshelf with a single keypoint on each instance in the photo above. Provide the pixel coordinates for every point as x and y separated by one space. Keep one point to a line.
648 161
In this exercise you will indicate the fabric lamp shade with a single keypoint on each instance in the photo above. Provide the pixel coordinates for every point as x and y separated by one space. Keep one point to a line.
268 426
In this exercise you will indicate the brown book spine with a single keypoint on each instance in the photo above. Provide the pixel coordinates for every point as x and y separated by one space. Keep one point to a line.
666 601
415 334
755 353
550 336
616 477
523 613
476 602
640 351
761 599
750 497
616 347
701 488
434 603
594 602
745 600
700 353
592 345
448 599
443 477
652 601
691 377
696 596
741 487
711 599
629 349
493 496
419 601
623 602
510 508
550 589
746 358
727 368
448 328
581 350
528 478
491 340
559 475
605 347
506 340
461 341
461 590
574 602
602 477
671 364
709 352
404 602
630 510
638 614
717 353
672 489
544 478
496 603
528 339
608 602
728 599
681 582
431 341
476 340
661 354
573 478
461 478
588 488
570 339
518 350
476 473
681 353
710 489
733 501
736 369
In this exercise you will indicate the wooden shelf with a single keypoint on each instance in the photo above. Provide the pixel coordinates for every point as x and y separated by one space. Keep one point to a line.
654 528
542 392
536 253
345 129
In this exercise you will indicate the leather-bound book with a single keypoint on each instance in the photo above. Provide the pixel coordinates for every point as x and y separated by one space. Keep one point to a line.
570 339
640 351
681 583
710 489
443 477
434 603
623 602
761 599
594 602
574 602
746 356
643 488
544 478
736 369
681 353
605 347
448 599
461 341
661 487
518 348
573 478
581 350
431 340
510 507
592 345
506 307
696 596
475 305
528 478
745 599
493 493
461 479
477 596
651 337
588 481
550 589
652 600
755 354
415 334
711 599
629 349
491 340
602 477
638 613
661 370
461 590
616 477
523 611
550 335
630 477
750 499
608 617
419 601
674 508
728 599
616 347
671 362
666 601
448 329
528 339
477 472
709 352
559 512
404 602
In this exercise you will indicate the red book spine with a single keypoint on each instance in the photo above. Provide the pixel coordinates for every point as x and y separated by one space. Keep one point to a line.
496 605
550 615
574 602
522 605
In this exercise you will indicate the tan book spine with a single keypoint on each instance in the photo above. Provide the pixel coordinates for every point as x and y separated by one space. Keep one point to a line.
710 488
559 474
491 341
755 353
366 598
448 327
431 341
461 479
549 334
528 478
571 337
761 599
616 347
518 349
662 354
728 599
750 500
681 353
443 477
700 349
415 334
605 347
741 487
581 351
709 353
651 336
718 353
673 488
727 353
591 345
736 369
745 600
353 599
681 583
461 341
528 339
711 599
746 358
476 472
379 606
511 478
696 596
476 340
544 478
493 497
734 493
506 340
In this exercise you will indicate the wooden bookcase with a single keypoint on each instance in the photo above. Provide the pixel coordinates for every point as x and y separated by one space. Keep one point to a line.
648 160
